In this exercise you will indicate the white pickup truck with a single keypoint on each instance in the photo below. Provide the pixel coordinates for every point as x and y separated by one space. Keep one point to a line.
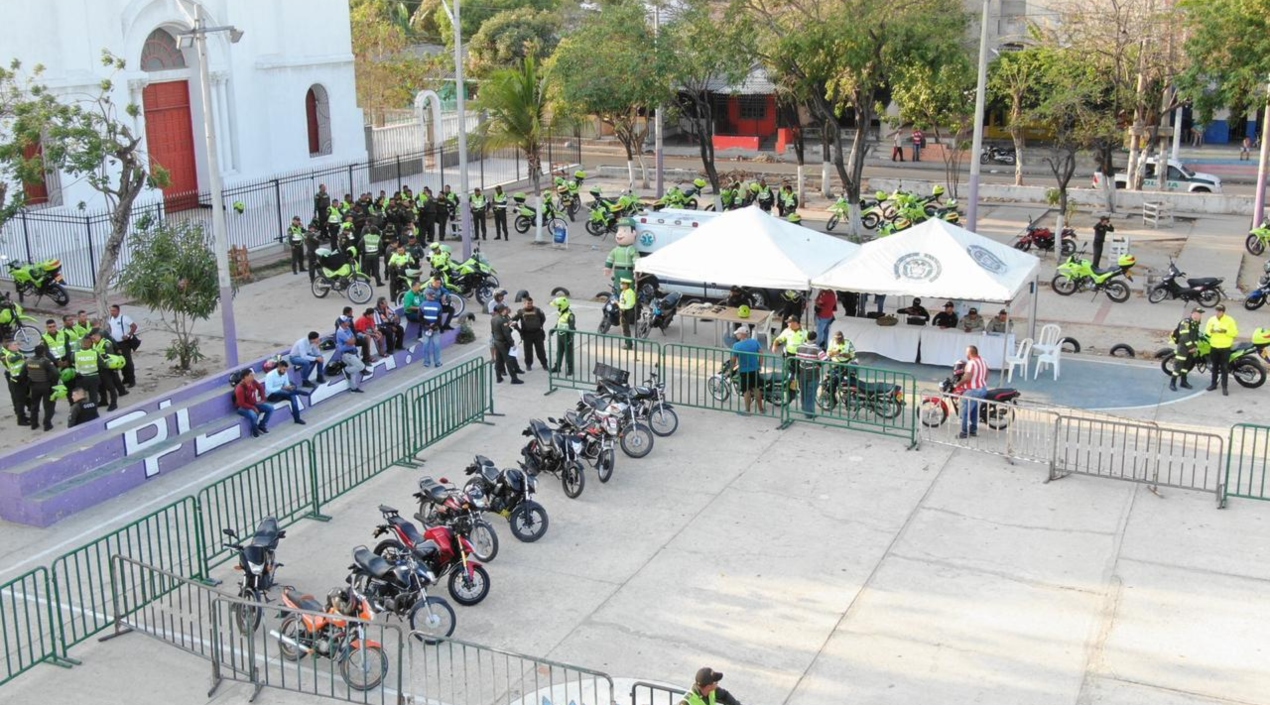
1178 178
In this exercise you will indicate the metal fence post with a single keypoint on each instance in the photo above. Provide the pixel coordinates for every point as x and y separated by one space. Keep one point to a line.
398 172
517 152
92 270
277 199
317 514
481 156
350 179
26 236
441 162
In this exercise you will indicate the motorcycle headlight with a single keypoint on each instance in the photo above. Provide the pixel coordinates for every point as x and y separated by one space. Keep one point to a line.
256 568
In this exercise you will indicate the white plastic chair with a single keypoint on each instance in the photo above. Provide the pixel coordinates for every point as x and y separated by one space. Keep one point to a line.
1052 358
1021 358
1050 340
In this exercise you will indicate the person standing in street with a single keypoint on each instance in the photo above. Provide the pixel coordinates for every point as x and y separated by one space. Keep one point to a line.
477 205
502 342
897 145
808 357
295 239
826 306
532 323
972 386
500 214
565 325
41 375
123 330
626 304
321 204
747 356
15 375
370 246
919 141
1186 338
1222 331
1101 229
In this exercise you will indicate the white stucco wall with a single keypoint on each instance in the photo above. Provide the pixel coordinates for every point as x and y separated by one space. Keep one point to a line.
259 84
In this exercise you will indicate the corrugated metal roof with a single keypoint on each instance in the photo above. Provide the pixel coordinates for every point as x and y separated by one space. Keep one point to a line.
756 83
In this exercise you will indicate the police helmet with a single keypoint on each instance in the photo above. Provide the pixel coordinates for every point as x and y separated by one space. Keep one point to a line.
560 302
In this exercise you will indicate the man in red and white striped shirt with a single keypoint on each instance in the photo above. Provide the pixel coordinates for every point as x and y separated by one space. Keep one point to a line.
973 385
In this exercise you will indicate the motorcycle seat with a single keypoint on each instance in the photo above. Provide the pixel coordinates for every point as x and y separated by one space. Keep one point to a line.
483 461
591 400
644 392
878 388
1204 281
267 534
372 564
1243 348
304 602
1002 394
407 528
385 509
434 491
573 419
1107 270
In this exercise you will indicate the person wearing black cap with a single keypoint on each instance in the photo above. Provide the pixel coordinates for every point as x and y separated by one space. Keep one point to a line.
706 691
916 310
946 318
1101 229
1186 337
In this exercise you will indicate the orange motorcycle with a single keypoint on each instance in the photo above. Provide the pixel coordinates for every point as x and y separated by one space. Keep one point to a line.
339 635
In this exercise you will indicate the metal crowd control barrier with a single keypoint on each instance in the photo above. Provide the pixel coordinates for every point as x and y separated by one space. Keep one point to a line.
446 403
868 399
640 359
293 650
27 623
645 693
1248 453
359 447
170 539
1014 431
161 605
1138 452
456 672
704 378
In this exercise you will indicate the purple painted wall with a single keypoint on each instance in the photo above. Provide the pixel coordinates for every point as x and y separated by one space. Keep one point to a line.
65 484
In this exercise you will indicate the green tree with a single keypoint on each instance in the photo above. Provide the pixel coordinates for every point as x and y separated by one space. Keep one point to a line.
610 68
26 108
940 100
172 272
1228 44
508 37
854 51
1013 81
475 15
387 75
518 106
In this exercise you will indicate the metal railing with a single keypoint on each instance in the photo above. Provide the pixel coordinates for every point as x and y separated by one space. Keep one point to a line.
645 693
1013 431
162 605
704 378
637 356
1248 462
359 447
448 402
28 625
874 400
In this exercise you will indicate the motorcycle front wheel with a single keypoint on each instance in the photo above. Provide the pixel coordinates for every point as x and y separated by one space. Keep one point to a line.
833 223
1117 291
364 667
458 303
1158 293
886 406
637 440
28 337
247 616
870 221
360 291
605 463
389 550
1210 298
484 541
663 421
1068 248
594 229
718 387
825 399
1248 373
605 324
1023 245
1062 285
998 416
528 521
933 412
572 479
321 287
469 590
1252 303
1255 245
289 638
60 297
434 618
983 158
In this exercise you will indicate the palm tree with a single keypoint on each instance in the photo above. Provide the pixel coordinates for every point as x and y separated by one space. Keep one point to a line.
517 105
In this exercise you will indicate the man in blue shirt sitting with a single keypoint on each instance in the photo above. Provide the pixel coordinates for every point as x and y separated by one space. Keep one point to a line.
745 355
346 351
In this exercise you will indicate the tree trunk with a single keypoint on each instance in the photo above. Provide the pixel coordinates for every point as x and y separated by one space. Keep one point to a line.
131 182
1016 136
825 139
535 178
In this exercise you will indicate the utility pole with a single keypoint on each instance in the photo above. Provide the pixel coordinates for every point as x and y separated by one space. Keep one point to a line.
981 98
657 124
1259 209
460 90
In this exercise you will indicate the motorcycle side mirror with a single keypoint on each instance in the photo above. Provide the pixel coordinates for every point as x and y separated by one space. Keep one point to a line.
444 481
230 533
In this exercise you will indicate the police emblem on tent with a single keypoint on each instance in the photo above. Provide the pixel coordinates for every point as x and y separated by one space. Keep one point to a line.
984 258
918 266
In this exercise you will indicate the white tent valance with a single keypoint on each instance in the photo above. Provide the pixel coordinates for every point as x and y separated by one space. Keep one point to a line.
748 247
934 259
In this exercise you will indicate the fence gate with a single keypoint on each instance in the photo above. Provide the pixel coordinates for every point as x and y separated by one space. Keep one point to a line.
456 672
1138 452
1246 462
1010 430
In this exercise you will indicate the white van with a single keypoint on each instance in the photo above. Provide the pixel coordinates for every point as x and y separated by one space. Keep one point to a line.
1178 178
656 229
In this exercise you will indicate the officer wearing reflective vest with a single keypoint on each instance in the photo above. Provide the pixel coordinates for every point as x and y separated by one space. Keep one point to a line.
425 206
705 690
790 338
15 375
477 205
334 216
500 214
627 302
1186 337
87 370
371 246
765 198
109 362
348 233
565 325
312 241
58 341
398 263
295 238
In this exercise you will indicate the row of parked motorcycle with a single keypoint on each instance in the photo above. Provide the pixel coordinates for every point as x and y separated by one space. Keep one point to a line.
889 213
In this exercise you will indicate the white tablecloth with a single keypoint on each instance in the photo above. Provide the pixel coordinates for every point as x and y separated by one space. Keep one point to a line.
938 347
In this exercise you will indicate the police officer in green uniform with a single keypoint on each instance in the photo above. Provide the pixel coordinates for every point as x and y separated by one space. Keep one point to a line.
565 325
451 214
477 205
334 216
312 241
111 385
627 303
295 238
398 262
1186 337
764 196
321 203
706 691
788 203
371 246
500 214
15 375
87 370
58 341
426 207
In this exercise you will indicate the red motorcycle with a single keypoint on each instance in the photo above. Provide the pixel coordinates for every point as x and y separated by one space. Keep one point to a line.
935 410
469 581
339 635
460 509
1043 239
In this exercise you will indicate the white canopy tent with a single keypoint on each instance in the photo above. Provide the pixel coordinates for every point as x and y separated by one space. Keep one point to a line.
748 247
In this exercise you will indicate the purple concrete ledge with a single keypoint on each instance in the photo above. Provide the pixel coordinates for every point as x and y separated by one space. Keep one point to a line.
159 439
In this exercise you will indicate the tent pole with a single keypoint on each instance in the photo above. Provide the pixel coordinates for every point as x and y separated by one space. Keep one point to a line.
1035 291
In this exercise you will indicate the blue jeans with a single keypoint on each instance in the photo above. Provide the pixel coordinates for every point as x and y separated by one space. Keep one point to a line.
822 331
970 409
305 367
432 349
289 396
257 420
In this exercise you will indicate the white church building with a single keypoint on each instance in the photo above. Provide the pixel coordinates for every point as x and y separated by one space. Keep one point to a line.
282 99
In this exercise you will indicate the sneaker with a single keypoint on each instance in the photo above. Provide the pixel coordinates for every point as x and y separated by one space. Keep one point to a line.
264 428
124 393
357 391
437 365
321 380
255 432
427 364
963 435
112 407
308 385
518 381
302 422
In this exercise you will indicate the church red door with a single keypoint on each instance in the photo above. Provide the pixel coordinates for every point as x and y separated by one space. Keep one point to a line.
170 141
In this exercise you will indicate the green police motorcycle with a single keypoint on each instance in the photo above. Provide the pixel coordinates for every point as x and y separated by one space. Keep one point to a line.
16 325
1079 275
1258 239
1244 365
40 278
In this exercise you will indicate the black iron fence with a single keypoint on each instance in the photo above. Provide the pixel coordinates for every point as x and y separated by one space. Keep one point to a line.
258 212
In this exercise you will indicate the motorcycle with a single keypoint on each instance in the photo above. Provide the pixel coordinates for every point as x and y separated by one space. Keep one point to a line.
342 272
605 213
648 402
658 315
935 410
841 385
597 431
1255 299
1258 238
1206 290
339 634
840 211
634 435
473 276
527 216
16 325
1001 155
1043 239
681 198
1079 275
610 315
570 199
469 581
511 495
41 279
723 383
257 563
402 590
1244 364
460 510
556 452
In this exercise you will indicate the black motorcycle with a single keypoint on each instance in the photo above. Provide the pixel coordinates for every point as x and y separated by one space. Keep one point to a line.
443 504
1206 290
510 494
841 385
648 401
659 314
553 451
401 589
1001 155
634 436
257 562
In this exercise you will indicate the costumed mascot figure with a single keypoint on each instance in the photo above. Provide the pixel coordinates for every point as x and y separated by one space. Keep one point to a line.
620 263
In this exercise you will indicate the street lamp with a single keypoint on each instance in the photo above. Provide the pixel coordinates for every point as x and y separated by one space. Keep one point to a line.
197 38
465 224
981 99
